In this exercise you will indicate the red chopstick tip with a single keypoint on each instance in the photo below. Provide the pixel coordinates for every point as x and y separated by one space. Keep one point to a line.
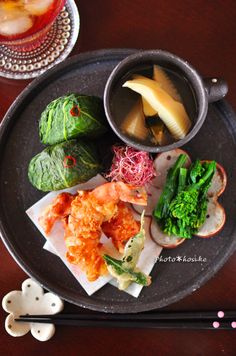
221 314
233 324
216 324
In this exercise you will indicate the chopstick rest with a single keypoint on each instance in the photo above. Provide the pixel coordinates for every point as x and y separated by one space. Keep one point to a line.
30 300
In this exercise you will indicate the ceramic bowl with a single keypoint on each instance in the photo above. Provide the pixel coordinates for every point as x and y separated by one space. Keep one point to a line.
204 91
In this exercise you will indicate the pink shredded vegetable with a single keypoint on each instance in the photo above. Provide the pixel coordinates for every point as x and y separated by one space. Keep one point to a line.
131 166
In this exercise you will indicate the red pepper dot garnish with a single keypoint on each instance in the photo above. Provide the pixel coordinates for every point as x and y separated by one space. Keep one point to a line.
75 111
69 162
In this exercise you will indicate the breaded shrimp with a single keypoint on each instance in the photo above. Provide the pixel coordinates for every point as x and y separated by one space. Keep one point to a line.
86 216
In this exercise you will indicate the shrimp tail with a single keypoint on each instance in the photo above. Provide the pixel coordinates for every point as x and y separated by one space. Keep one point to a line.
116 191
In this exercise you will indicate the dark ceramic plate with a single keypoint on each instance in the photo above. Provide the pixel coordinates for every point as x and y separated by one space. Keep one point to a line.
19 141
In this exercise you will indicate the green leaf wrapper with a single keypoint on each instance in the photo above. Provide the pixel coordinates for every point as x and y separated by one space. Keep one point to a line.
72 116
49 170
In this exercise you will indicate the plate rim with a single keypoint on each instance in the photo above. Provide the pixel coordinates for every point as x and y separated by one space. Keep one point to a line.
93 304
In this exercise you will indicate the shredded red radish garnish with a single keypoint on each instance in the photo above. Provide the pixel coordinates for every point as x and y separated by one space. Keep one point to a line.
131 166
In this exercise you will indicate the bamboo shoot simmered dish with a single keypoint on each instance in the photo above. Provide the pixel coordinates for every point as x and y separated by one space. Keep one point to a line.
162 117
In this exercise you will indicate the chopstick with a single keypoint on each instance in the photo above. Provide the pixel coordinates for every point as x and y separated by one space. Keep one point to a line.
164 320
136 324
141 316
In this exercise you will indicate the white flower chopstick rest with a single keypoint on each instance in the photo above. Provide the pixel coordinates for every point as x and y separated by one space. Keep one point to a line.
31 300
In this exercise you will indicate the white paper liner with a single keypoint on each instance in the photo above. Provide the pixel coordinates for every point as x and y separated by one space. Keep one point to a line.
55 242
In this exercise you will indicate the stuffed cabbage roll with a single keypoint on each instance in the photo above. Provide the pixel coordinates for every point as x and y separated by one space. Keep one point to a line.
72 116
63 165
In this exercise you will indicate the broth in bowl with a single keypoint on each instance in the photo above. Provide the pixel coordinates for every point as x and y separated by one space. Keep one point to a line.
133 101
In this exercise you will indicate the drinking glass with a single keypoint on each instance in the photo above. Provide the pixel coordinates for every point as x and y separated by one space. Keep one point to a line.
35 35
24 24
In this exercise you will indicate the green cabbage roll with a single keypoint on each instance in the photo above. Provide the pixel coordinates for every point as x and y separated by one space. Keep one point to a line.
72 116
63 165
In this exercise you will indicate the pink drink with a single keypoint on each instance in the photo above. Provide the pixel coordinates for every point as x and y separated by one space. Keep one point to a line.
25 23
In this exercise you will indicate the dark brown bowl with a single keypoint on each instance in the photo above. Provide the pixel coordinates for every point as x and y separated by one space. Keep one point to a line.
202 91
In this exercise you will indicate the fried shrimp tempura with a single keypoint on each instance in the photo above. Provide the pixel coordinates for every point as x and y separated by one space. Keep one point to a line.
88 214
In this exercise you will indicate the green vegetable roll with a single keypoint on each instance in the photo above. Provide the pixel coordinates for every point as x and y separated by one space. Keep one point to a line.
72 116
63 165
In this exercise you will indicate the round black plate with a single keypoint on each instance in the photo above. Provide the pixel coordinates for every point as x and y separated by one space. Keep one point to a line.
87 73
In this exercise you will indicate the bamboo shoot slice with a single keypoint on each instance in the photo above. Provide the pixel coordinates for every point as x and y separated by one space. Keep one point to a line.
147 108
172 113
166 84
134 122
